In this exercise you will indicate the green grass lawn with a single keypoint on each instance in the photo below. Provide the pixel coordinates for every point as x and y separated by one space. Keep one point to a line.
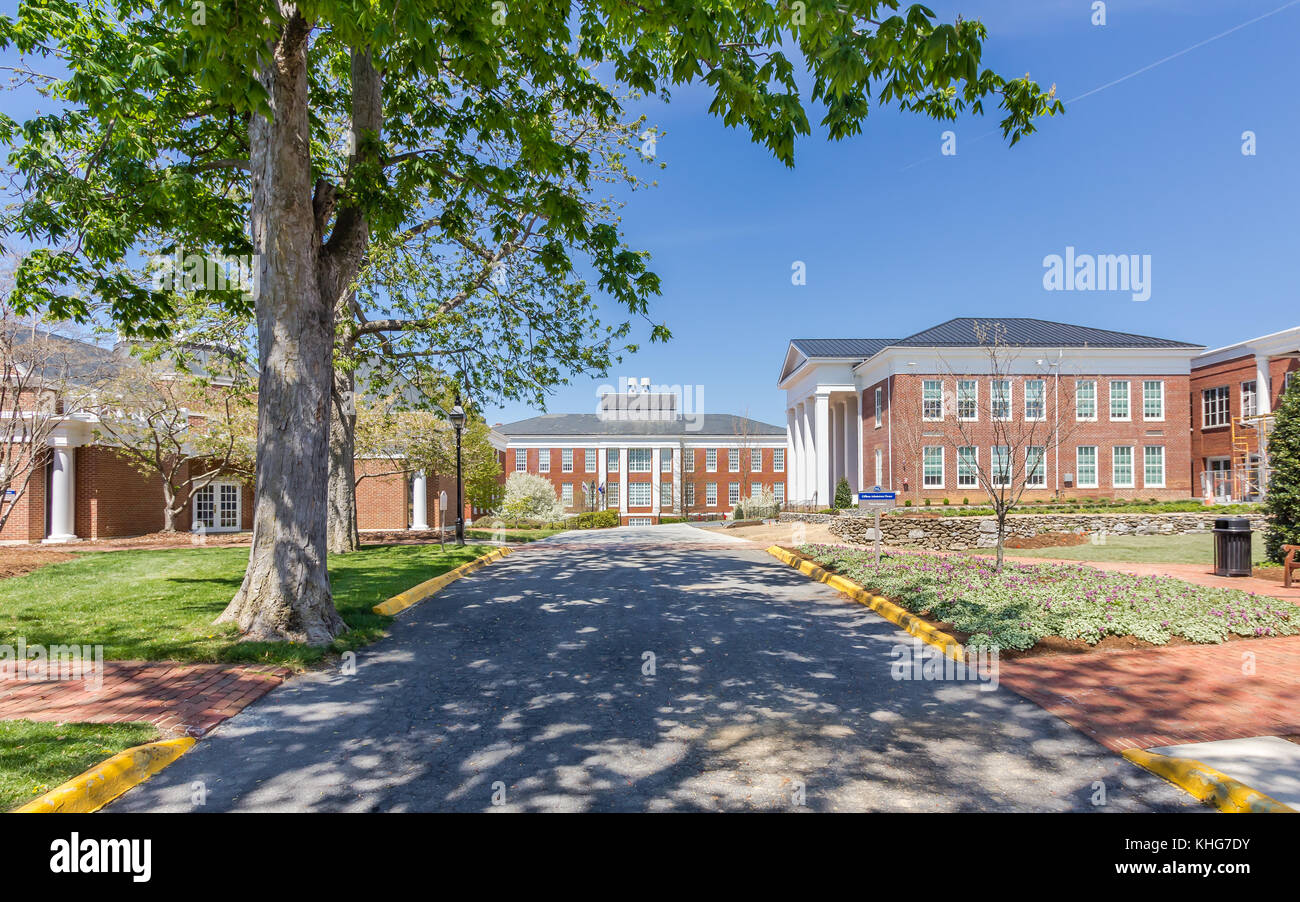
36 757
159 605
1192 549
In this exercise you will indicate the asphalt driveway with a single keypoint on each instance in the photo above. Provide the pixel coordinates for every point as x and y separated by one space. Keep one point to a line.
525 687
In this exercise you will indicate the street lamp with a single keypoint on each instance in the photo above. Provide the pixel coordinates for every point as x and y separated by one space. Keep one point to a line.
457 419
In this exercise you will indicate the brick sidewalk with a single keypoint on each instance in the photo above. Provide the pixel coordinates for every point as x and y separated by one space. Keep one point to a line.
1168 696
179 699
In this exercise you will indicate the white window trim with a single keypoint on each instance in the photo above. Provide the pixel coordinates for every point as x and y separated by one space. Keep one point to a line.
1010 468
590 460
649 494
778 460
1227 396
649 461
943 466
1025 391
1252 409
929 419
759 452
1011 401
880 398
711 467
1163 468
1128 402
975 399
1132 468
566 467
1161 418
543 460
733 488
1080 419
1042 466
521 460
733 460
1096 467
975 474
215 488
710 494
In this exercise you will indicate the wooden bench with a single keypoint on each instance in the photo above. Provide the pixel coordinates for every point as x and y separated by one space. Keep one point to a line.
1289 563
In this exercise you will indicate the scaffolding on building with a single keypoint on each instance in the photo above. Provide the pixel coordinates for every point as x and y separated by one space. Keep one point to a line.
1246 478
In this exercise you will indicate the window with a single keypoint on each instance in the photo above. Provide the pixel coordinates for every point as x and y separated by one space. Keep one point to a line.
778 492
1035 399
711 494
967 467
1153 466
733 460
1249 399
611 458
932 466
566 460
1121 474
711 460
1085 400
521 460
1085 465
638 460
639 521
733 493
1000 463
880 466
756 460
1035 467
1214 407
880 403
566 494
932 399
589 460
611 495
543 460
778 460
690 494
1000 398
666 460
216 506
755 490
688 460
1119 400
666 495
638 494
1153 400
968 391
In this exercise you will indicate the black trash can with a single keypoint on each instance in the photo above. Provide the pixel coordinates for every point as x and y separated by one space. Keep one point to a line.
1232 546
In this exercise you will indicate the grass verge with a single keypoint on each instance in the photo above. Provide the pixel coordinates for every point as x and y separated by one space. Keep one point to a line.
35 757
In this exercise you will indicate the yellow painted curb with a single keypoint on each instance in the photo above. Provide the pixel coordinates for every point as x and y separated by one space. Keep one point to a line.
416 594
1207 784
109 779
878 603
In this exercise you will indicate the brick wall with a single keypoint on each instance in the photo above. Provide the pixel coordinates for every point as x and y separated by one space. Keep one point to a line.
26 522
1216 441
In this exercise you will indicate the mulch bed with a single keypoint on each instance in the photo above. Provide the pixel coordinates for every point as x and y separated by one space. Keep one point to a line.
15 561
1047 540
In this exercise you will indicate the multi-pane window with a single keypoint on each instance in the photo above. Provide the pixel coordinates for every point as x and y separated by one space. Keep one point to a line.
521 460
611 495
688 460
932 399
666 494
666 460
733 460
778 460
1000 464
1153 399
1121 473
880 466
932 466
566 460
755 489
755 460
1035 399
544 460
1000 399
611 458
880 403
1119 400
1249 399
566 494
638 460
968 399
689 492
778 492
1215 407
733 493
711 460
589 460
711 494
967 467
1085 400
216 506
1036 467
638 494
1085 465
1153 466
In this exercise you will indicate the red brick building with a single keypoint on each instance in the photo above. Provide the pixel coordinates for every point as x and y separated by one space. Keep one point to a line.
642 455
915 415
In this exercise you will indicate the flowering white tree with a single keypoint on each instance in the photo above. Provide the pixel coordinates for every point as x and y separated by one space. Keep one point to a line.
530 497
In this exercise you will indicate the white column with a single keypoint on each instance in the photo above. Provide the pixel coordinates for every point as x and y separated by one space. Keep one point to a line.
850 443
419 502
655 455
679 493
822 485
622 480
859 457
1263 390
833 451
63 495
602 477
809 469
795 463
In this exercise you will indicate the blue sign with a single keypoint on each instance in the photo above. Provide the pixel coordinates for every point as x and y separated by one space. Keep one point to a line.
877 496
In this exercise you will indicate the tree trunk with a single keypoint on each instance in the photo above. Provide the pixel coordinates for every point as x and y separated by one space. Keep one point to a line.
1002 536
285 595
343 535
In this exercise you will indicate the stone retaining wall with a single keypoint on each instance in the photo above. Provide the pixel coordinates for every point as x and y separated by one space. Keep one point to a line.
957 533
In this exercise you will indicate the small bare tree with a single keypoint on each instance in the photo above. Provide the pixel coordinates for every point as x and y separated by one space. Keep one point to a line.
981 412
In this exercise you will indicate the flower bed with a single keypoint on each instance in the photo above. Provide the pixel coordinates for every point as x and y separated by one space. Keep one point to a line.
1028 602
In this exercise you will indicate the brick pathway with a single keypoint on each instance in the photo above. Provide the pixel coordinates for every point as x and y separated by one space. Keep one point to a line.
179 699
1168 696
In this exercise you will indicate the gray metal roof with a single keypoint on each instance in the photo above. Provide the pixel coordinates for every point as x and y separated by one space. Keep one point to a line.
1035 333
841 347
593 424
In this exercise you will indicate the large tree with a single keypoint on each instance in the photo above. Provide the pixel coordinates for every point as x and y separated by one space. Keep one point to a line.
206 127
1282 500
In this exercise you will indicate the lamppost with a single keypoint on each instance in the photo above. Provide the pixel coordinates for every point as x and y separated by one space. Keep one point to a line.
457 419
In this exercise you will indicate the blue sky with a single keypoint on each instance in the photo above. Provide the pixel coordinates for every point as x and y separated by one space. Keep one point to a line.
897 237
